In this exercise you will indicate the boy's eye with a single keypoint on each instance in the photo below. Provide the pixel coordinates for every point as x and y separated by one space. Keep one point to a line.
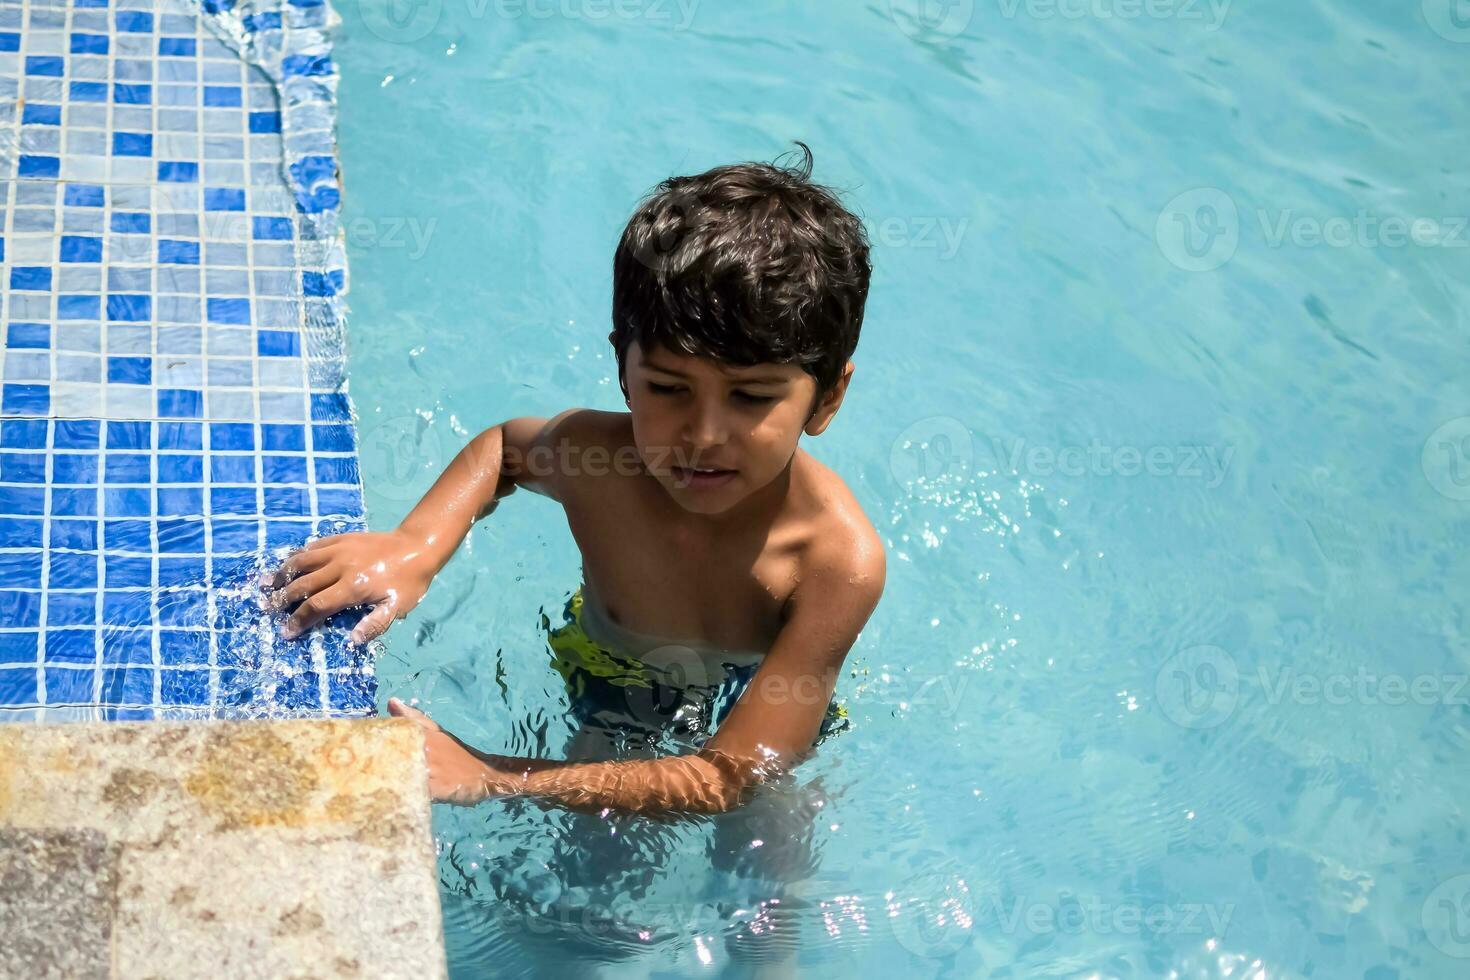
745 396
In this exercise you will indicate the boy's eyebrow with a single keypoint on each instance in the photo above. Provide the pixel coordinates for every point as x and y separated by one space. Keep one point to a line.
766 379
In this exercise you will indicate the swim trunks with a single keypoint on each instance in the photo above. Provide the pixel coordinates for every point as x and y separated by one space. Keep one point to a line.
626 680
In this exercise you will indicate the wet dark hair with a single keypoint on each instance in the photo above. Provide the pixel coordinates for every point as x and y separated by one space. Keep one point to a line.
748 264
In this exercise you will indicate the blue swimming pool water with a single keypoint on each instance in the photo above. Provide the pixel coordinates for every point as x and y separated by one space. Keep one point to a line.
1160 408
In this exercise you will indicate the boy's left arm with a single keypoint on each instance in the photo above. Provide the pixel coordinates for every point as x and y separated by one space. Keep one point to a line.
770 729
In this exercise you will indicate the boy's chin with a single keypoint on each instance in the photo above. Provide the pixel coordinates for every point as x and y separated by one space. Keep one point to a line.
698 501
704 504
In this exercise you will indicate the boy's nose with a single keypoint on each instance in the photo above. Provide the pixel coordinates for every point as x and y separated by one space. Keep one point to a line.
705 428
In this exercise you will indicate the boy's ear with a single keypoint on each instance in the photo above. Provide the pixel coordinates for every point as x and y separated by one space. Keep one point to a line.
828 404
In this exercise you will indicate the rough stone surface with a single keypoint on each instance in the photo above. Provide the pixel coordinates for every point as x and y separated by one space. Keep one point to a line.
251 849
56 882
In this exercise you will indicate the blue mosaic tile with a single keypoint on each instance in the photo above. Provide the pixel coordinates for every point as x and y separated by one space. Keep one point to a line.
172 413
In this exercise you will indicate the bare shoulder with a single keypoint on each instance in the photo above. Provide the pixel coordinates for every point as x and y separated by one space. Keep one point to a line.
593 427
549 456
841 546
595 445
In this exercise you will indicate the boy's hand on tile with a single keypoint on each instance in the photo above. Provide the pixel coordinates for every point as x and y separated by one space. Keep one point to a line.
387 571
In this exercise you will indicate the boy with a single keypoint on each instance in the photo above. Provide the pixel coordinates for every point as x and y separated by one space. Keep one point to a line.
738 297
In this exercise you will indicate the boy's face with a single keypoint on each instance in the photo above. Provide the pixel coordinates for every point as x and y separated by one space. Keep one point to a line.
712 433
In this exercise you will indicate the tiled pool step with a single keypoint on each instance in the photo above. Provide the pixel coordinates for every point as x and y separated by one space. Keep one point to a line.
173 414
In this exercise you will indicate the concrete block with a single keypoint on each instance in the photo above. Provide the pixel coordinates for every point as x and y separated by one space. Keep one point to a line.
244 849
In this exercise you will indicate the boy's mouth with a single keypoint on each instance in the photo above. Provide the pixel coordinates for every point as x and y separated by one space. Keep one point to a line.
701 477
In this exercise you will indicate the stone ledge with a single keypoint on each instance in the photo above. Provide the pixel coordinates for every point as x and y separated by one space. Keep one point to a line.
236 849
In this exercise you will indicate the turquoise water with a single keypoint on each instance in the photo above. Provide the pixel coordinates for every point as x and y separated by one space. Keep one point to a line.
1160 408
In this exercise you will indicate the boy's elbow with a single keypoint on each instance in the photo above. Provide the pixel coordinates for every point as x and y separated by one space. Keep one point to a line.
734 794
733 782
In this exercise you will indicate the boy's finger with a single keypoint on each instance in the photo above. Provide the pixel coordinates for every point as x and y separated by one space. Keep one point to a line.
375 623
317 608
302 588
398 709
297 563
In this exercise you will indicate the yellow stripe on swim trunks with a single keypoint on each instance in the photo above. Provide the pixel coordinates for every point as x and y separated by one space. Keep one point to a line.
572 650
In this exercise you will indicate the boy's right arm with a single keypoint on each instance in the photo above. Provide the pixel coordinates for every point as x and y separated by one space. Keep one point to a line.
392 570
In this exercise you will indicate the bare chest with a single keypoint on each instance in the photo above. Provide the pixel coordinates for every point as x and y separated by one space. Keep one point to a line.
727 590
